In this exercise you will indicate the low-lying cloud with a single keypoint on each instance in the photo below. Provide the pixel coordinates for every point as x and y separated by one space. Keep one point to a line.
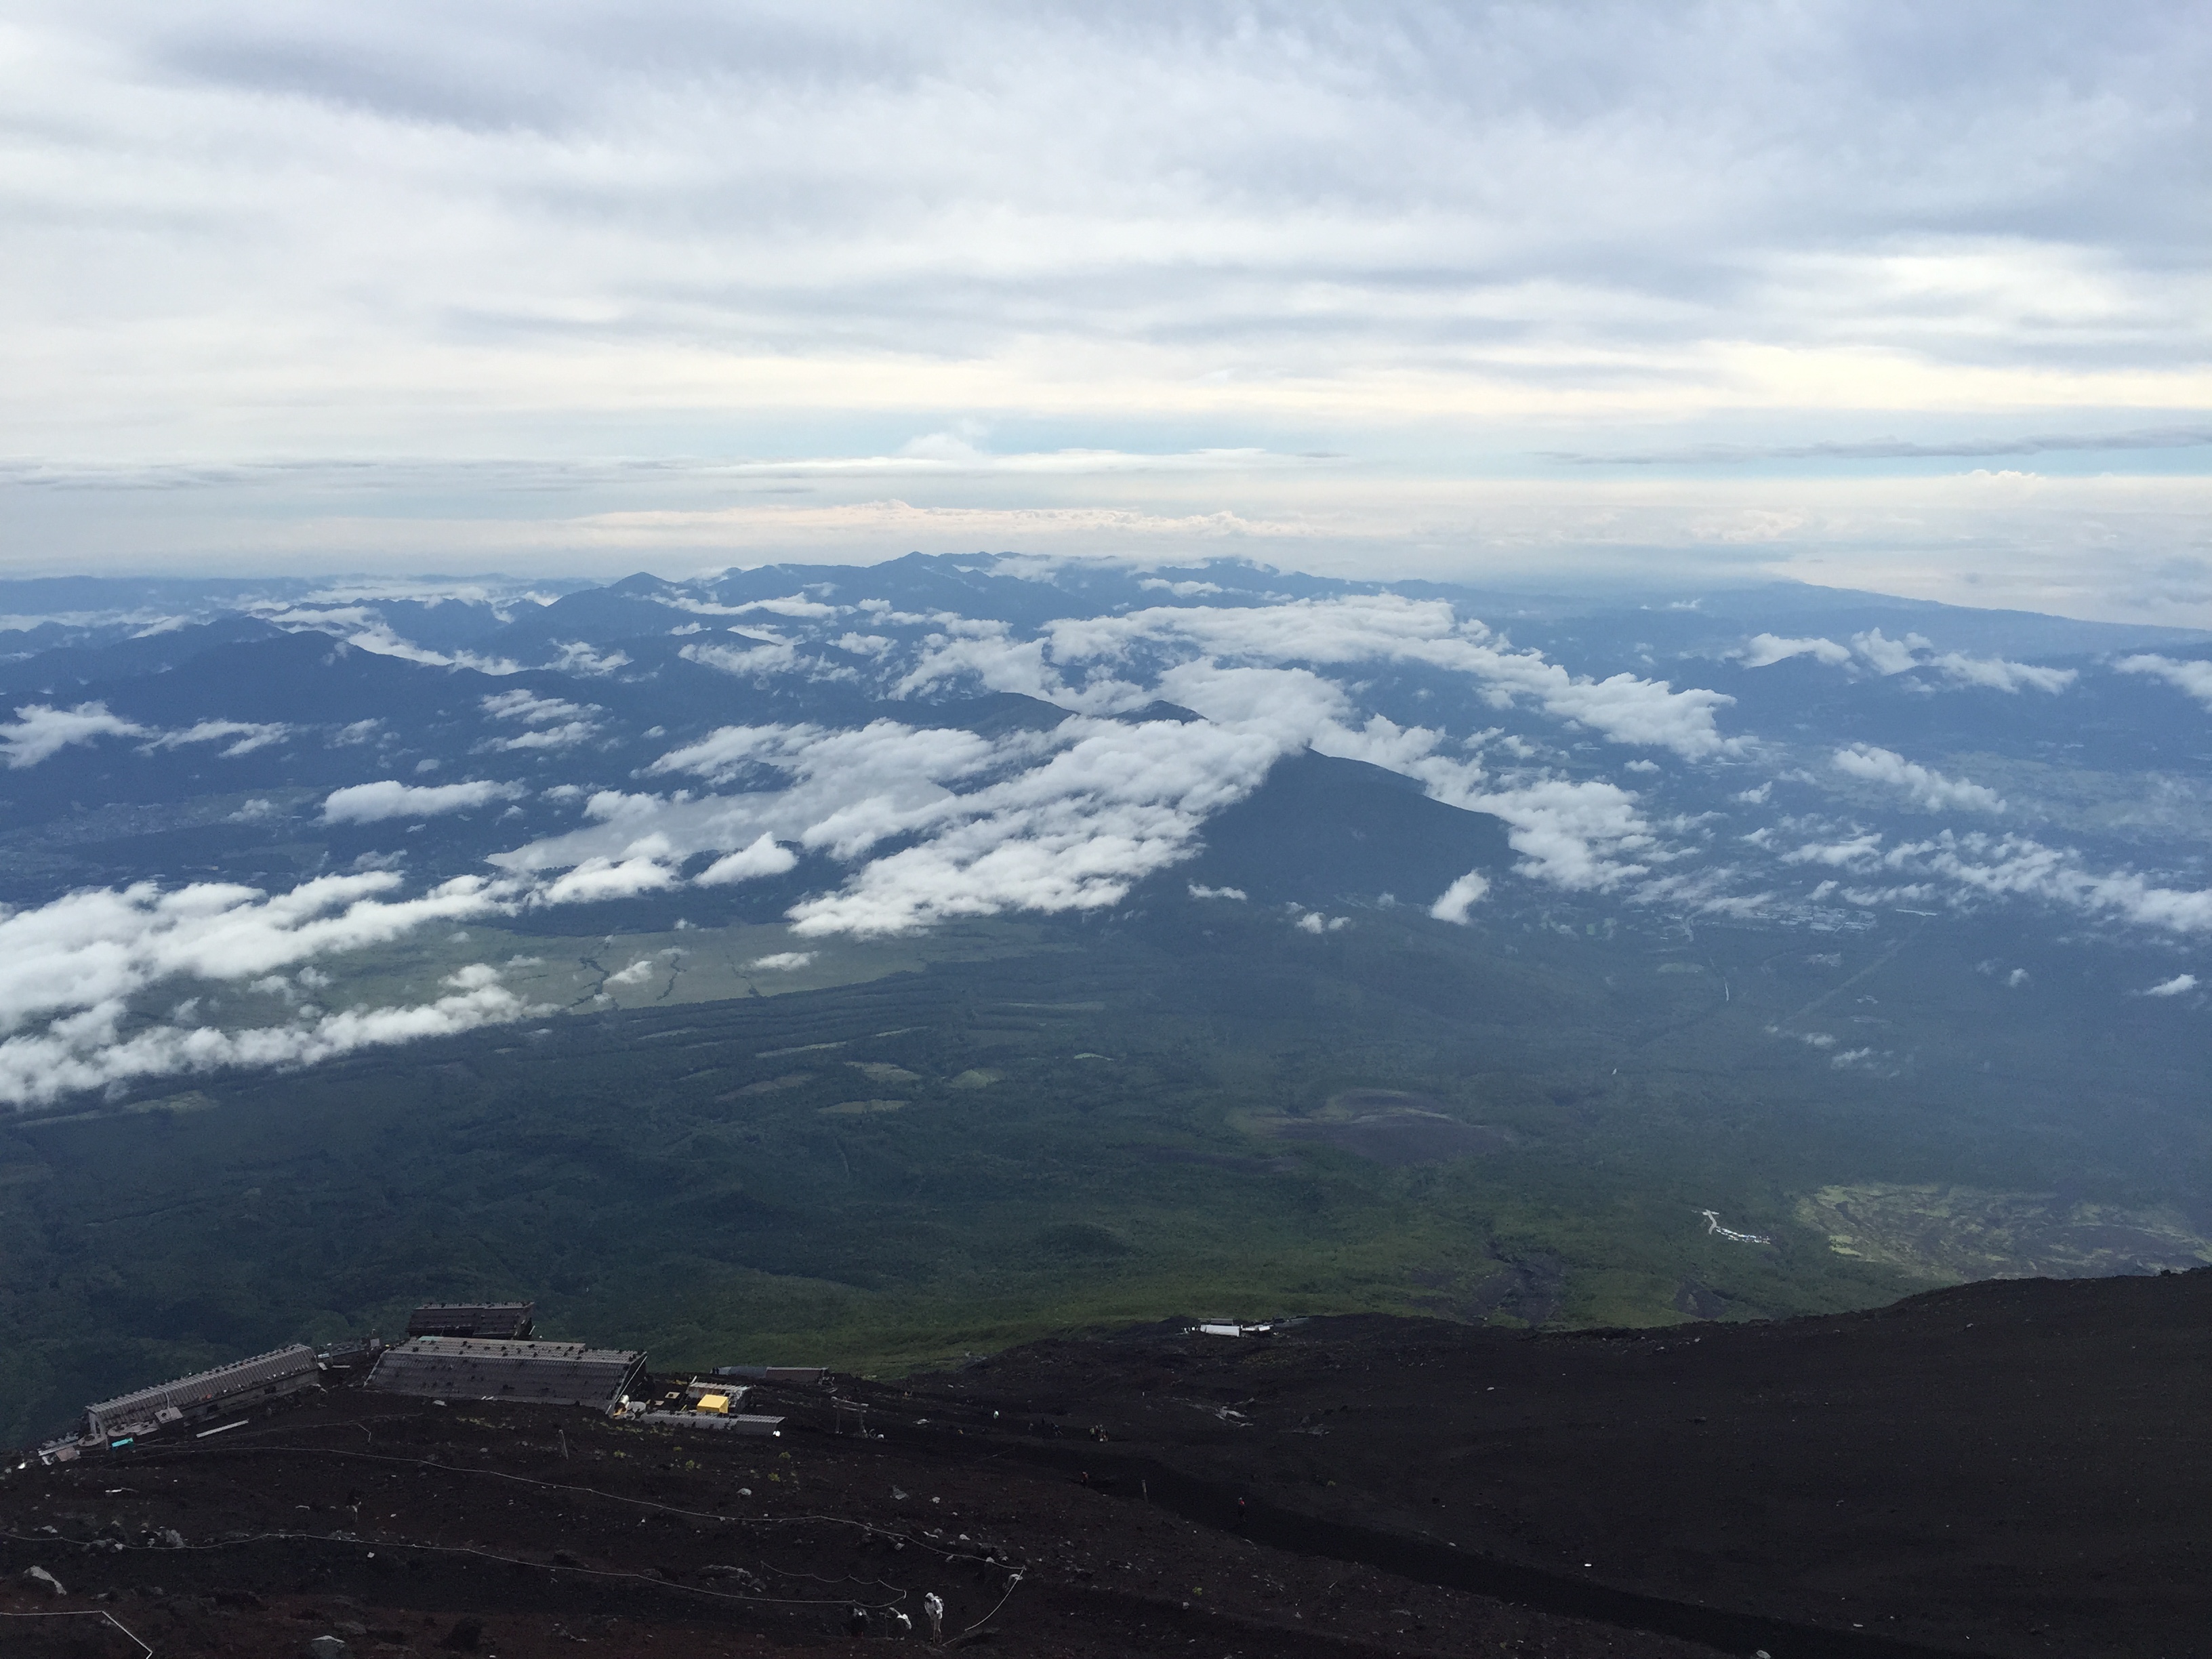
1458 901
1876 652
2188 674
39 731
1923 786
1765 650
1890 449
91 1052
1077 662
71 971
372 803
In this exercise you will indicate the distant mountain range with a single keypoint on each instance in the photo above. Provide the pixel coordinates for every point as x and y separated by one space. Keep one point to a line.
873 751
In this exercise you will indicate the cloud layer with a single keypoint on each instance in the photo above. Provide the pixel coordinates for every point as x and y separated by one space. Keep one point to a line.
70 971
372 803
871 258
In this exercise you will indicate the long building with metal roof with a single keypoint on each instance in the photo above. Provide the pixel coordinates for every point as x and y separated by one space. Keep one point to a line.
509 1321
227 1388
533 1373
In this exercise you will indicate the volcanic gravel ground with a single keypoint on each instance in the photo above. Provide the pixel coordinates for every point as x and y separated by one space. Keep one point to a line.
2018 1467
2007 1468
401 1526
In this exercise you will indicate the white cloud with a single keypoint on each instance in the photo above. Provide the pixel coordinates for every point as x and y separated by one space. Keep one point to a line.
371 803
531 709
39 732
989 651
2179 985
1888 656
90 1051
552 737
1201 892
574 724
1065 819
2014 866
1380 628
760 659
244 737
1578 836
1763 650
1713 224
1113 802
636 973
1858 850
1998 674
2190 675
77 963
1314 922
782 961
379 639
762 857
1461 897
598 879
1921 785
575 657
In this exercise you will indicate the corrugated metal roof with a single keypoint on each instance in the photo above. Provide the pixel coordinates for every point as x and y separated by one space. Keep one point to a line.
188 1393
537 1373
485 1319
772 1373
734 1423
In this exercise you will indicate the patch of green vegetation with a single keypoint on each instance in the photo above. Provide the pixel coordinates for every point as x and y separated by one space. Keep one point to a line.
879 1071
1949 1235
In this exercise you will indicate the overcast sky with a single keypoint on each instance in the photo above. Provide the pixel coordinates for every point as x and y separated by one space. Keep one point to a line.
1906 296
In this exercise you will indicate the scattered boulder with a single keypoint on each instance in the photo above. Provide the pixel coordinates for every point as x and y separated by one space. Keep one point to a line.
40 1575
326 1647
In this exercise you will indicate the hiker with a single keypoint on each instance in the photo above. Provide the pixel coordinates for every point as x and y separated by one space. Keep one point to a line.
933 1608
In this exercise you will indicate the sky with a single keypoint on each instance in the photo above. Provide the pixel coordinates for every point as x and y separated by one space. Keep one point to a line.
1894 296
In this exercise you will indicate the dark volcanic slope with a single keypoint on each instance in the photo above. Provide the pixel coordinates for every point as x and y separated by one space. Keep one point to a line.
401 1526
2011 1467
